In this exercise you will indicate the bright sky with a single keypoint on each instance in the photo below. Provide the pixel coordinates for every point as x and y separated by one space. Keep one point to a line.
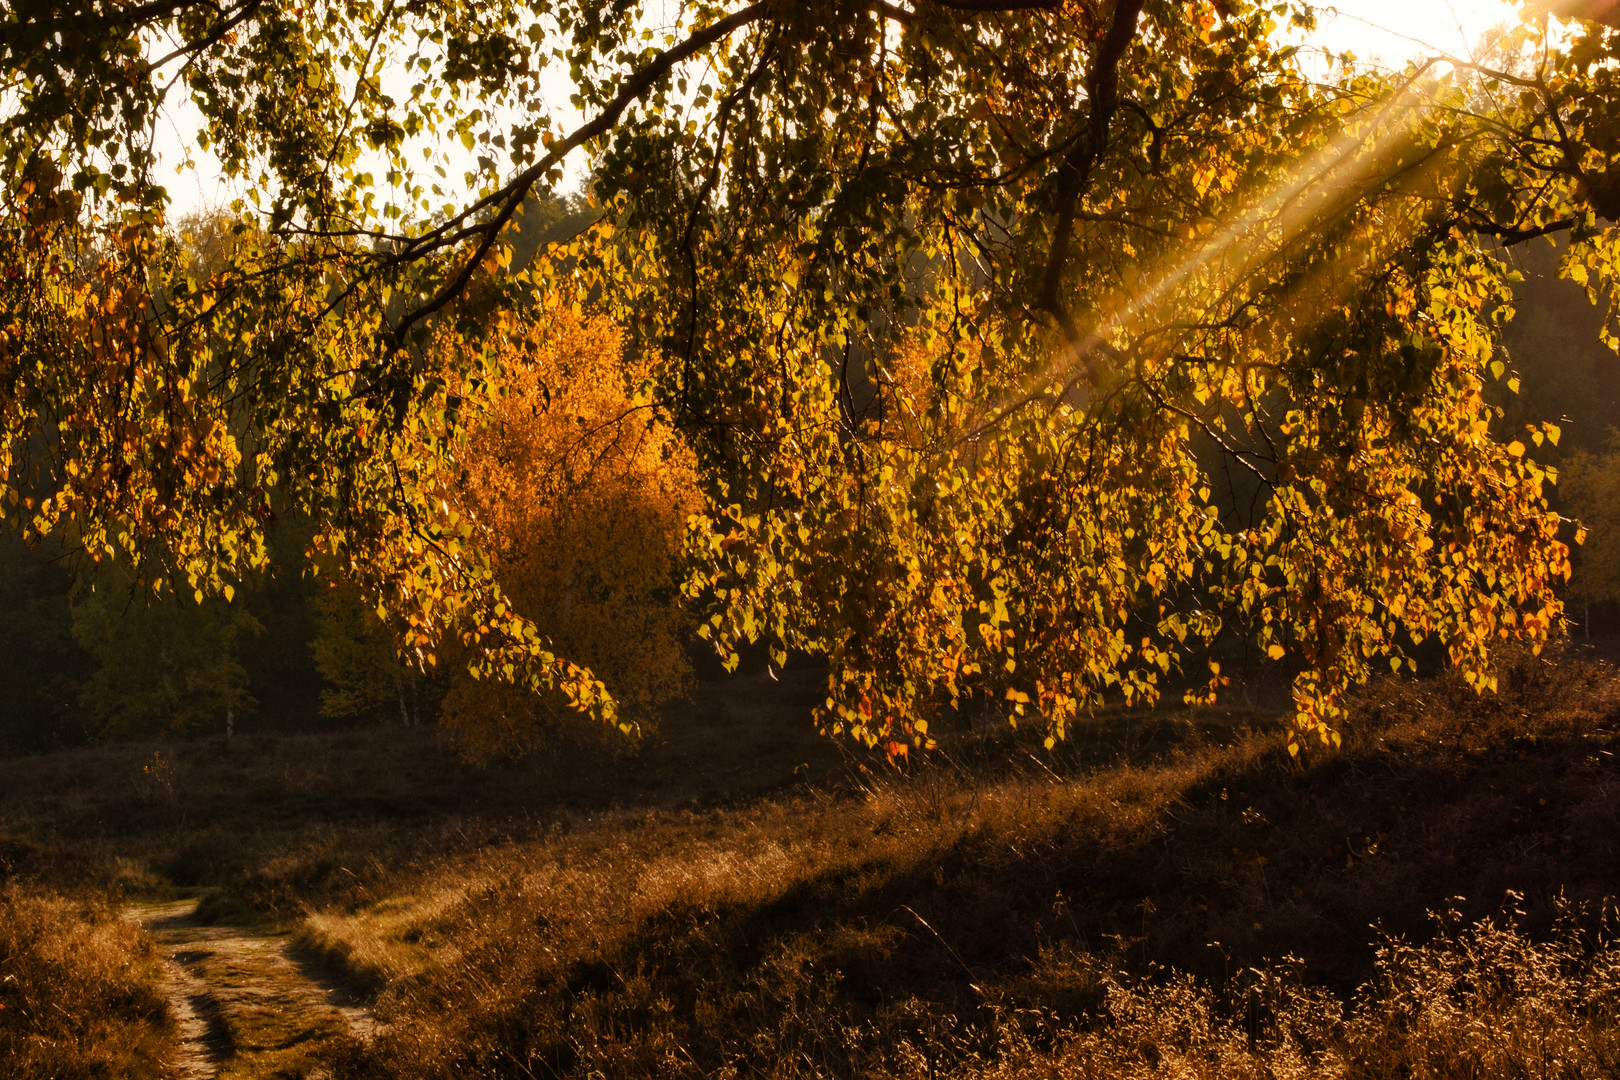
1388 30
1395 30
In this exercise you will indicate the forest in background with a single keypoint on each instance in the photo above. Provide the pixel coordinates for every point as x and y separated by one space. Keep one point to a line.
586 499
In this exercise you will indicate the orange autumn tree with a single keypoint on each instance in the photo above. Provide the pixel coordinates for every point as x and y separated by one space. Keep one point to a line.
581 496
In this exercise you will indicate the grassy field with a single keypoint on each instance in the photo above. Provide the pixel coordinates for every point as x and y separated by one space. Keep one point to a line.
1169 894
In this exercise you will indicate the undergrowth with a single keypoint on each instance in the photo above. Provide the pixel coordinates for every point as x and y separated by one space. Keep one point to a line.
79 992
1168 894
1475 1002
1176 897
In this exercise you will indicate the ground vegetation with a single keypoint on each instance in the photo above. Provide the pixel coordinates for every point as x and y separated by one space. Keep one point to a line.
1172 891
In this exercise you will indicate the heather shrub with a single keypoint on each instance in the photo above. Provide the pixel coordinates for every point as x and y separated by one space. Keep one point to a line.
79 992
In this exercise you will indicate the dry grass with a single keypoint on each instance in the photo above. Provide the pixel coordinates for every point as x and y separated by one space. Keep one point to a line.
385 942
924 925
700 909
78 991
1489 1002
1481 1002
979 914
294 819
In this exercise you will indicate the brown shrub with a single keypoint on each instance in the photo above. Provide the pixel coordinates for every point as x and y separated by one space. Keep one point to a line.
79 992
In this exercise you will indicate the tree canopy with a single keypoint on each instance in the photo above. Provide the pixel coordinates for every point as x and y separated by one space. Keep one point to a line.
1027 351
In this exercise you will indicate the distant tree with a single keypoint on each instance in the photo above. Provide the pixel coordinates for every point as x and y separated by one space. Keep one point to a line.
547 218
1590 487
1566 374
41 665
364 679
582 496
163 669
282 675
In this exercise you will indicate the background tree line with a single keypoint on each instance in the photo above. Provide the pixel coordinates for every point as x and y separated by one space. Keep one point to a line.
1568 377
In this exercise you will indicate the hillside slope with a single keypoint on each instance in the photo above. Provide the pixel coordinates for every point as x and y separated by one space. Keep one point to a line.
738 898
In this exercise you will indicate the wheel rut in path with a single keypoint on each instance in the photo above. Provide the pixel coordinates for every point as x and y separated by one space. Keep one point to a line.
248 1003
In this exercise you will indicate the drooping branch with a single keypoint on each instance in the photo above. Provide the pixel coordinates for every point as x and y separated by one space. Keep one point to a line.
226 20
506 200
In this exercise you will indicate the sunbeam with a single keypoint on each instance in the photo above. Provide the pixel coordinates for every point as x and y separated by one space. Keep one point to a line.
1329 180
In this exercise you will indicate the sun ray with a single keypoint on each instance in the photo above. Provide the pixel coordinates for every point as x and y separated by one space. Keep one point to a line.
1320 185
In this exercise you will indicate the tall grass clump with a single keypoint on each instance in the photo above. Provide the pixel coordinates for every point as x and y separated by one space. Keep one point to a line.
79 992
1487 1001
1484 1002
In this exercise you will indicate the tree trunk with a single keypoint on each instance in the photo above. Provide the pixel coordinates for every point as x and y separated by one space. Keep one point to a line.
404 709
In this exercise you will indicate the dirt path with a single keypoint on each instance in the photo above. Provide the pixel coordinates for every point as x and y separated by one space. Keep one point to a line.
248 1004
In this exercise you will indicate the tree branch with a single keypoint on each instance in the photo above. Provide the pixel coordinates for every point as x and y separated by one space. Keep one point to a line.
512 195
998 5
1102 96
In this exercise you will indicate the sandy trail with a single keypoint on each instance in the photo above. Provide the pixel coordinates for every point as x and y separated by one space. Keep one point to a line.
247 1003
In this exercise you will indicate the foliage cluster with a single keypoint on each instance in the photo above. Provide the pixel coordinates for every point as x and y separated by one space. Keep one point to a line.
1018 502
961 346
306 648
583 496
